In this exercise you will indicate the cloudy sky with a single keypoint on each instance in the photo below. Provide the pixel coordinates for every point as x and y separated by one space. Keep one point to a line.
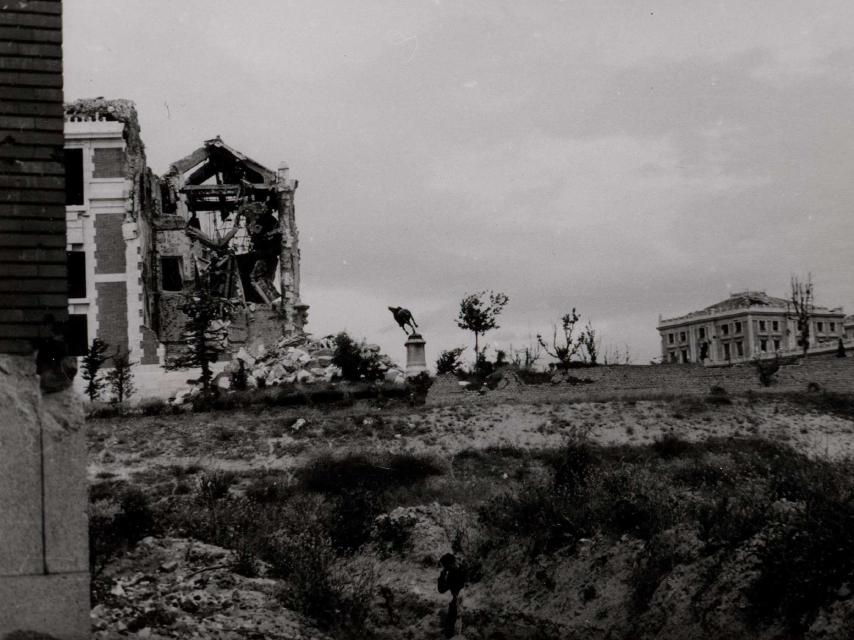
628 159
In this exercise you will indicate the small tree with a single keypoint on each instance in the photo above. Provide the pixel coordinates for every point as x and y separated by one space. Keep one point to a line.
92 362
801 307
204 336
120 377
840 349
449 361
479 313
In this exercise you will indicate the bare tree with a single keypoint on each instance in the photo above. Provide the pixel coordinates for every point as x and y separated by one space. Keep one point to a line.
800 307
591 343
565 348
527 357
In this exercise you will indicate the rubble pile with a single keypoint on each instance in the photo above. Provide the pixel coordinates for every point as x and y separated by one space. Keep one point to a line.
180 588
302 360
298 360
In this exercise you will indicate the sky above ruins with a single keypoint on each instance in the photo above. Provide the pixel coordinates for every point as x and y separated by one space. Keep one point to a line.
628 159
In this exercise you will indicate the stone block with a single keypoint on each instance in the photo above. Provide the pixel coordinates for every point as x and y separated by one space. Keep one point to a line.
20 468
65 484
57 605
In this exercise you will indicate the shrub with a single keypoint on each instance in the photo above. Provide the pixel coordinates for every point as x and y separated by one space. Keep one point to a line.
718 395
239 378
153 407
670 446
449 361
214 485
355 361
117 525
766 370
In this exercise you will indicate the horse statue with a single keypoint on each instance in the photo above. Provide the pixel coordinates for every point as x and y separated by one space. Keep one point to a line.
404 319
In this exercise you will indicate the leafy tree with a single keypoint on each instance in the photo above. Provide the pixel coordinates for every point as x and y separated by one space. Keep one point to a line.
205 336
840 349
479 313
449 361
801 307
92 363
120 377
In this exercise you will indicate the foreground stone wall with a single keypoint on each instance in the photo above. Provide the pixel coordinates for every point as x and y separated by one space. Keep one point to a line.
44 579
636 381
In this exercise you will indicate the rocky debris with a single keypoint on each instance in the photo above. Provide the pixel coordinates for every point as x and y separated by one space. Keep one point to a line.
298 360
178 588
303 360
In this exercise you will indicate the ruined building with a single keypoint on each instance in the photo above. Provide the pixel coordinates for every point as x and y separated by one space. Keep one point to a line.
138 244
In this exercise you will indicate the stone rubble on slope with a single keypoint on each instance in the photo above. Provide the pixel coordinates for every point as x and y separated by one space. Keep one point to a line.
299 360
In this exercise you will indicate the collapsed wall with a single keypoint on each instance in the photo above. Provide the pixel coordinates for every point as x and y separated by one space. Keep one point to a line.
228 223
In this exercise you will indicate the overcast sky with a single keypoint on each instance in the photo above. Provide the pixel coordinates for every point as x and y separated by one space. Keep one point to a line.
628 159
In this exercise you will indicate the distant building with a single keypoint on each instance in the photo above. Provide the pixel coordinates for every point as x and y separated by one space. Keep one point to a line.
745 325
849 327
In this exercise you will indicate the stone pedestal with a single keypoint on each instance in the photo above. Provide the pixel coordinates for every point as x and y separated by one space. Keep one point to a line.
44 555
416 356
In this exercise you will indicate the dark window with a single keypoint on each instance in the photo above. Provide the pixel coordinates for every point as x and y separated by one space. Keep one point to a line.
763 346
74 176
108 162
670 338
762 326
702 332
832 327
776 345
77 334
820 326
681 336
76 274
726 351
739 348
738 327
674 357
684 355
171 278
775 325
725 329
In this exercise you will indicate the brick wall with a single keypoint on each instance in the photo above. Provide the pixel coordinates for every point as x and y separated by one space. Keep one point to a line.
829 372
108 162
112 314
109 243
32 179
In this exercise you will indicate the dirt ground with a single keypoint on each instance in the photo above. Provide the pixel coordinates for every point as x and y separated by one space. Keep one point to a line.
282 438
582 595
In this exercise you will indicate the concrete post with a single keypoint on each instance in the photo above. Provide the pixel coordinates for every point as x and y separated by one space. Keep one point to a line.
416 356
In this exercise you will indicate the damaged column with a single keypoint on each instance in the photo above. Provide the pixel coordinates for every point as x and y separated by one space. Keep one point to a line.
294 312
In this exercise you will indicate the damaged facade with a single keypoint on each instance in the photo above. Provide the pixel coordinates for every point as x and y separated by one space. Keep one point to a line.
138 244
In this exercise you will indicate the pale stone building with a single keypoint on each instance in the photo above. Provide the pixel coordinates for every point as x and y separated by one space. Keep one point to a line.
108 206
746 324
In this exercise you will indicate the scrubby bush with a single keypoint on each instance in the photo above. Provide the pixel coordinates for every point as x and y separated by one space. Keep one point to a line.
449 361
117 524
356 361
766 370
